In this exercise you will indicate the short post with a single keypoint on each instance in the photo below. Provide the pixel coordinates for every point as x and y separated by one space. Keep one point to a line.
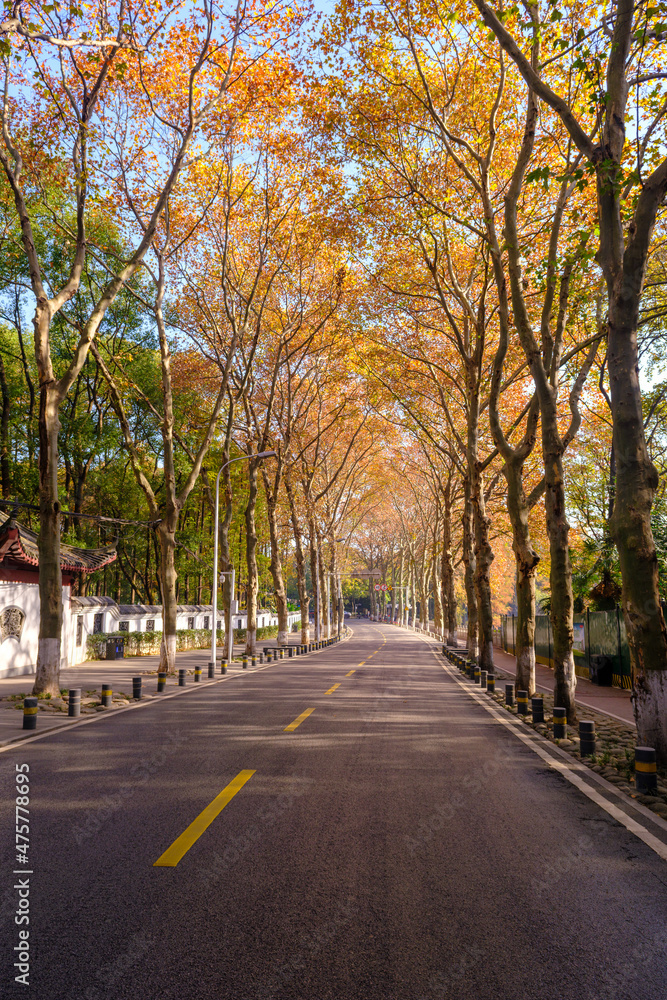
483 676
537 706
105 698
136 688
522 702
586 737
560 723
290 652
281 653
509 694
74 706
646 778
30 713
253 660
197 674
211 670
181 677
245 662
476 674
491 683
161 683
223 666
261 657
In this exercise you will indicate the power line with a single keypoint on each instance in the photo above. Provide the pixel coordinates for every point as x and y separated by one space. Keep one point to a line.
14 504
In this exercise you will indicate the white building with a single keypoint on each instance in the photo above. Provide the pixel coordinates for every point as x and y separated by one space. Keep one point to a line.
82 616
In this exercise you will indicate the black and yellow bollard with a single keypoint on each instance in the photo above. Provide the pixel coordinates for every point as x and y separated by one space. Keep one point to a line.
136 688
161 683
253 660
282 653
223 666
244 663
483 674
197 675
181 677
537 707
105 698
509 694
560 723
491 683
476 674
646 778
522 702
444 650
30 713
586 737
211 671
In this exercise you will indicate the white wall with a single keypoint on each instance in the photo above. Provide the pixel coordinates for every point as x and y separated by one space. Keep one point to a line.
19 656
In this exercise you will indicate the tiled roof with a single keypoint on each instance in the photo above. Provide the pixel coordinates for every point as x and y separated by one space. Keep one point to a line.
20 545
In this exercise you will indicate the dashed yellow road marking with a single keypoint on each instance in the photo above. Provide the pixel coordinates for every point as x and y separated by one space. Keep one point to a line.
332 689
182 844
349 673
297 722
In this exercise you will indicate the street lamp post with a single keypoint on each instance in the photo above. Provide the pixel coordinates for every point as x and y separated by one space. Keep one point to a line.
214 590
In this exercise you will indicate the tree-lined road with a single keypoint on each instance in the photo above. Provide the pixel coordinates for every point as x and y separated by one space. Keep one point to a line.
399 843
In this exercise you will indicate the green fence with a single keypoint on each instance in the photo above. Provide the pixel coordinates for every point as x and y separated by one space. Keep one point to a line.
595 633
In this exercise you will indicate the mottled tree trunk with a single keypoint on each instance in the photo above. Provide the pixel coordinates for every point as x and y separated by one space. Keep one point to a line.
480 528
5 468
314 576
251 560
636 484
277 570
447 572
47 679
470 570
560 575
526 560
300 565
166 532
436 588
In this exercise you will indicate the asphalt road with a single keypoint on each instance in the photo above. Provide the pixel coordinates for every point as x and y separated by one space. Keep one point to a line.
400 843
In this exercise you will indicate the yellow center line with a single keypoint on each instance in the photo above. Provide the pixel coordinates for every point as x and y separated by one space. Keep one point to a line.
361 664
332 689
182 844
349 673
297 722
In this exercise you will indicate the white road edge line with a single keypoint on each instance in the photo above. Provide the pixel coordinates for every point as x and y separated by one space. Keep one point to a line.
568 771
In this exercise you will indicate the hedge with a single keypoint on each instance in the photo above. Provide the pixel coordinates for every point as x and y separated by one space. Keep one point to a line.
148 643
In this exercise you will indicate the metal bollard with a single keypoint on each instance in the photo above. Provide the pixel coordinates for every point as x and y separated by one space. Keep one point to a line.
522 702
483 674
74 706
261 657
537 706
586 737
281 653
491 683
223 666
105 698
560 723
181 677
30 713
253 661
245 663
161 682
476 674
211 670
646 778
197 674
290 652
509 694
136 688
